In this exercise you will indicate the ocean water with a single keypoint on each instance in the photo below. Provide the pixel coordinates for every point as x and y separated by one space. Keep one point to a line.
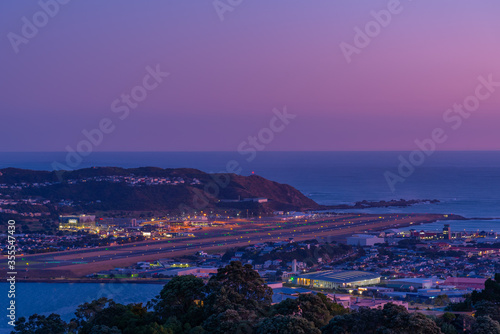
459 225
466 183
64 298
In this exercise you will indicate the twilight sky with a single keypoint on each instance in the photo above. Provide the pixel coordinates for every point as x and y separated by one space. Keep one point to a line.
226 76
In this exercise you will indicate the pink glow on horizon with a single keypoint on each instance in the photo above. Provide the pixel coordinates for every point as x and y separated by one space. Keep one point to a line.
226 77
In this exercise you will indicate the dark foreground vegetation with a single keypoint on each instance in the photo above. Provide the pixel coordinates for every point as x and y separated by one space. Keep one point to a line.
236 300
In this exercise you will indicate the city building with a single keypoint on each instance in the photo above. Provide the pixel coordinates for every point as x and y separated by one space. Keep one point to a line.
344 300
470 283
335 279
117 222
414 283
447 231
364 240
76 222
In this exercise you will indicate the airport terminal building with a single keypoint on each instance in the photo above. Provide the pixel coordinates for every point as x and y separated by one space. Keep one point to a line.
76 222
333 279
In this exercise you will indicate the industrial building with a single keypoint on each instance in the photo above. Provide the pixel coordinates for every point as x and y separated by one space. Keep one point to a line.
335 279
364 240
414 283
76 222
469 283
117 222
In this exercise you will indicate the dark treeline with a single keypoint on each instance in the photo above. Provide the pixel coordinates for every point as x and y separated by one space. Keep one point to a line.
236 300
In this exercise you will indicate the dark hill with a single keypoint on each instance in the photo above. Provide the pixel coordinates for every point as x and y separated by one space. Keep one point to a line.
91 189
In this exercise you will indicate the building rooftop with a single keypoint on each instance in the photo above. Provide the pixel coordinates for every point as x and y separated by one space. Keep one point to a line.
466 282
417 280
340 276
363 236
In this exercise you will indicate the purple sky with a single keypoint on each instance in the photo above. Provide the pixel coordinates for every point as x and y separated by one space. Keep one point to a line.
227 76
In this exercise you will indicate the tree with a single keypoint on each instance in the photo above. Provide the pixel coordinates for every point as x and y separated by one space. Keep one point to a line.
129 319
392 319
486 302
491 291
486 325
286 307
40 324
334 308
173 325
315 308
361 251
231 321
418 324
463 323
447 328
363 321
441 300
448 317
87 311
487 308
153 328
464 306
445 322
282 324
237 287
103 329
180 297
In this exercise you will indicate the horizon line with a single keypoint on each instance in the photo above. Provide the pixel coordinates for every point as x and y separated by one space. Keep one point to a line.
274 151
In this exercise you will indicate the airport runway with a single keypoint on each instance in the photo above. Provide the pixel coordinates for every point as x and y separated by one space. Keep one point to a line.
81 262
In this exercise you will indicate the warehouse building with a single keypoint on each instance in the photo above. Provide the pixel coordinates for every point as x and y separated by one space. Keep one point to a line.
414 283
364 240
335 279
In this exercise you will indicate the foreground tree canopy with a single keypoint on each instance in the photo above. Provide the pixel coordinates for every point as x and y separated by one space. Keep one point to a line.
237 300
391 319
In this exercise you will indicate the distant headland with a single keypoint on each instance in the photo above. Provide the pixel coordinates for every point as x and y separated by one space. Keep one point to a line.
41 194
